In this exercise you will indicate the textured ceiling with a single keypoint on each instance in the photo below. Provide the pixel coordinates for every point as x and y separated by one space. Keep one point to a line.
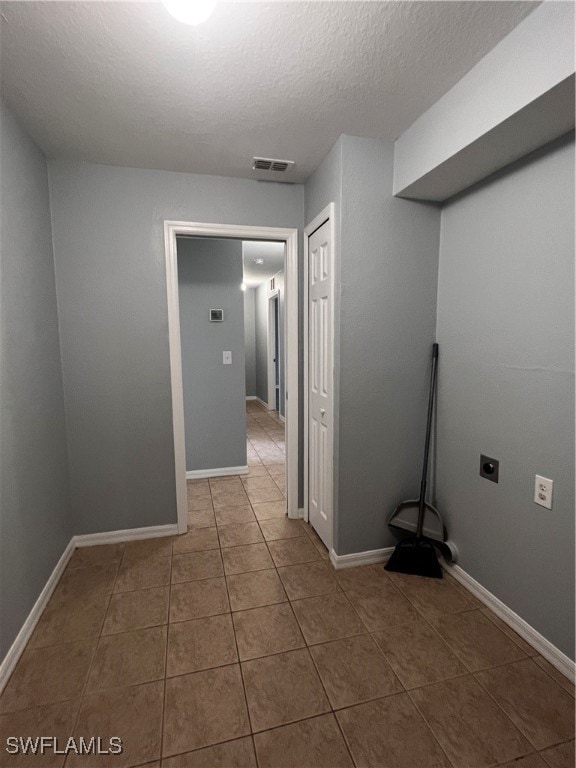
123 83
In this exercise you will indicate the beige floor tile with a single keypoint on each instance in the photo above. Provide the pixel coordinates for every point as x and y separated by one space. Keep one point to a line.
234 515
270 510
203 709
267 630
316 742
56 720
354 670
432 597
561 679
200 503
308 580
48 675
196 540
257 471
128 658
503 627
74 619
232 754
281 528
134 714
198 488
560 756
255 589
476 640
382 606
329 617
204 518
263 495
231 483
254 461
236 535
149 548
86 582
98 555
251 557
418 655
143 574
197 599
469 725
283 688
200 644
530 761
224 499
136 610
262 481
276 469
541 709
293 551
196 565
390 733
359 578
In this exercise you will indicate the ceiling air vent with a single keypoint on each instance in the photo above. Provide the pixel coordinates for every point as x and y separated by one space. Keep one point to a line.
268 169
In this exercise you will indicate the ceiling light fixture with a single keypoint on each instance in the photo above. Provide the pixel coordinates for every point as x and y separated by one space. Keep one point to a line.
190 11
258 261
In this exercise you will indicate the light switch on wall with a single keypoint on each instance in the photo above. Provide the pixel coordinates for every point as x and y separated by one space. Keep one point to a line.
226 358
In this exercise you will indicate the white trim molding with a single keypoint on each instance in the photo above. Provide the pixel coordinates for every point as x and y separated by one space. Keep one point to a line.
198 474
370 557
290 237
127 534
251 397
544 647
22 638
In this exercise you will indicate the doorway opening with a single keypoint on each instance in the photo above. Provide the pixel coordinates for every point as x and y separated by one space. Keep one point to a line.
287 363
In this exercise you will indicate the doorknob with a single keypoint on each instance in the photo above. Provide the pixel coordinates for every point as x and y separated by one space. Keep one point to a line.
322 411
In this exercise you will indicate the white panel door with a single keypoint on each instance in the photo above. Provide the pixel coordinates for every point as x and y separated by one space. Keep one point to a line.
320 382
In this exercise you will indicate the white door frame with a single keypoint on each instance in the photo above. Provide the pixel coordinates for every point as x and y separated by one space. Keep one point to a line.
288 236
271 371
328 214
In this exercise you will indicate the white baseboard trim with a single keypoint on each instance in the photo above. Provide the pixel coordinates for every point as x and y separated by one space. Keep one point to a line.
533 637
200 474
129 534
262 403
369 557
251 397
17 647
282 418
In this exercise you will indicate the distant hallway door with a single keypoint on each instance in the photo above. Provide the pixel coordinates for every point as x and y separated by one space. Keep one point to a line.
320 381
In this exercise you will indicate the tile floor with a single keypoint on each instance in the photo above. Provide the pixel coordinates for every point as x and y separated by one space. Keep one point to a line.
237 645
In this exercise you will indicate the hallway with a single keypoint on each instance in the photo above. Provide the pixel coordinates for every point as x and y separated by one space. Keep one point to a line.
237 645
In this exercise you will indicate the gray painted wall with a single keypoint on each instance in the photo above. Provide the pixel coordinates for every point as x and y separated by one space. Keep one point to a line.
261 339
506 385
386 267
389 268
109 245
35 519
209 277
250 341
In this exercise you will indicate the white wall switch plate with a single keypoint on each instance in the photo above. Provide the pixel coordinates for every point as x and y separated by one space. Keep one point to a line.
226 358
543 488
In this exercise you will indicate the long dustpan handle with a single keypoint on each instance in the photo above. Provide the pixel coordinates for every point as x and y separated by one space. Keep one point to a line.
422 500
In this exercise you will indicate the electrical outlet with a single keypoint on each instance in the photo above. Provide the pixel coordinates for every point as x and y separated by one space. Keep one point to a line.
543 488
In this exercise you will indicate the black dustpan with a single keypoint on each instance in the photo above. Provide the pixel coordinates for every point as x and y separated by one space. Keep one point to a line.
416 554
